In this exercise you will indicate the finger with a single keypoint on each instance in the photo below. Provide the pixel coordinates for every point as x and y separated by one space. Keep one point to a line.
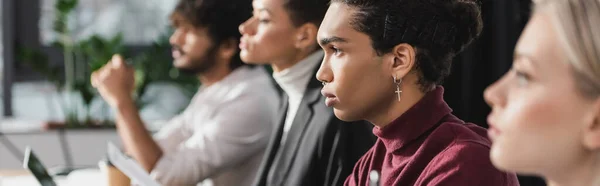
101 68
117 61
104 73
98 76
93 79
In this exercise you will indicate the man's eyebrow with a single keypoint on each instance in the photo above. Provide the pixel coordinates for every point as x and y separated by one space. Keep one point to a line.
332 39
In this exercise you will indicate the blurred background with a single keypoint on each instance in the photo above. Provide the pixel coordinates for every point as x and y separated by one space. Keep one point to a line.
48 48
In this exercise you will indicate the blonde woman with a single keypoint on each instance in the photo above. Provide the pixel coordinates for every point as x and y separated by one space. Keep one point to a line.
546 109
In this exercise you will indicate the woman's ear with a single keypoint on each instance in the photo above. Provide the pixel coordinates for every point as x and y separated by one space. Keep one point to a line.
306 36
591 132
402 59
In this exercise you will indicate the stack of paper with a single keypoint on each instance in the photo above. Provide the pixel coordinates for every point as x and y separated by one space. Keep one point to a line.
129 167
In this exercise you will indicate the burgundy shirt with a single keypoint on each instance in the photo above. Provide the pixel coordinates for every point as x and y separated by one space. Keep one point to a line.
428 145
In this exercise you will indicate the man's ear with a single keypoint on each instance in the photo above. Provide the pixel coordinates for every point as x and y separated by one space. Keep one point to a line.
228 48
401 60
306 36
591 130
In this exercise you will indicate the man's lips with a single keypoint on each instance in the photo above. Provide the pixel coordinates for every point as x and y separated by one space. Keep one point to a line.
243 43
176 52
330 99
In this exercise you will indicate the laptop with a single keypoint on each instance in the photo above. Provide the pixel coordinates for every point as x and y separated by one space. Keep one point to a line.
38 169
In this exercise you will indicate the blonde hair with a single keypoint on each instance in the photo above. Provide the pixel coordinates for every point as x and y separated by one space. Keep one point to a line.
577 23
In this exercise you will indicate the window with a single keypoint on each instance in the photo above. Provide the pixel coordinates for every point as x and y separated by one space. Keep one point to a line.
140 21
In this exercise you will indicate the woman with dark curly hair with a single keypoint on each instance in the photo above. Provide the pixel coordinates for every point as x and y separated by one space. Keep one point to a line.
384 63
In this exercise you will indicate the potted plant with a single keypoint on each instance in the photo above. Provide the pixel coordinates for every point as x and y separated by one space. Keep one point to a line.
81 58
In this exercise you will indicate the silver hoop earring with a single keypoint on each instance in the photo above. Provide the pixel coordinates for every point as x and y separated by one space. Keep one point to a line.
398 91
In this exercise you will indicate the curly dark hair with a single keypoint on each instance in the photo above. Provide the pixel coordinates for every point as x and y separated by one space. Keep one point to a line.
437 29
306 11
220 17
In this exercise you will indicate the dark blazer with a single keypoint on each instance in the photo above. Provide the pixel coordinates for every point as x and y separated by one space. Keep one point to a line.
319 149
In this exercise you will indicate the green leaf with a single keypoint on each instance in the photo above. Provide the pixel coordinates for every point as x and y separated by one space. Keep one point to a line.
84 89
57 44
66 6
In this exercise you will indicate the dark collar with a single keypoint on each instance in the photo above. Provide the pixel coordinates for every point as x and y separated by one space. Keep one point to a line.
415 121
313 89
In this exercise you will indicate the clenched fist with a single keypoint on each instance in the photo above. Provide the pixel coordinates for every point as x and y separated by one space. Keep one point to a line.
115 81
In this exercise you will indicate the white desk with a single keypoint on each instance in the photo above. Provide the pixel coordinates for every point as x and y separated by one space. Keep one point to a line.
87 147
88 177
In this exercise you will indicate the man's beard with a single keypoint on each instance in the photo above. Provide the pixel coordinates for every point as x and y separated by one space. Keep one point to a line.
199 65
